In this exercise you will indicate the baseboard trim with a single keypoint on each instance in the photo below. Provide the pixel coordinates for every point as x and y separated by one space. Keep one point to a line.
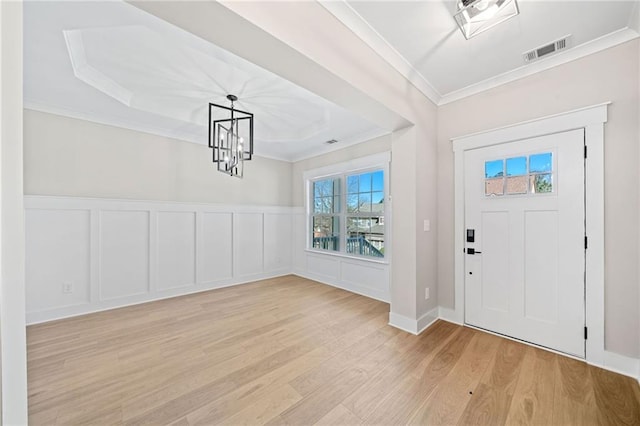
621 364
413 326
362 291
449 315
38 317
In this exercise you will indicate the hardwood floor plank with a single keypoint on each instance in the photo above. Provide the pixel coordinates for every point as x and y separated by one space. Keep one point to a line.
267 408
339 416
489 405
532 402
407 396
449 399
371 394
611 393
293 351
505 369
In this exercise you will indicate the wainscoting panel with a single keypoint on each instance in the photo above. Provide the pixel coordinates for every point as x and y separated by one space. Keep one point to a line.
57 246
277 241
176 249
373 275
124 253
216 254
363 276
357 275
85 255
248 239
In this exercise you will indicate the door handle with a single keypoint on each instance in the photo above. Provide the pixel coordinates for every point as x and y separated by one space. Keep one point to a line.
473 251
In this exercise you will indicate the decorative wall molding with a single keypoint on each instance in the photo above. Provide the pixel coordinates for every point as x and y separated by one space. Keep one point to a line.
414 326
371 278
360 27
577 52
620 364
115 253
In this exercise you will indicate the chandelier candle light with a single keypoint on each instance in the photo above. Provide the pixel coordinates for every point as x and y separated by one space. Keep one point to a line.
231 137
476 16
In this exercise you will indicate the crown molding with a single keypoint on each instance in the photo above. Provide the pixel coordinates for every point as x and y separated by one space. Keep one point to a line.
342 144
190 137
342 11
111 121
610 40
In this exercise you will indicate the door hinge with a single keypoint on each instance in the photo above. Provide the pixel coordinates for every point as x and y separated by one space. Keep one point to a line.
585 242
585 151
585 333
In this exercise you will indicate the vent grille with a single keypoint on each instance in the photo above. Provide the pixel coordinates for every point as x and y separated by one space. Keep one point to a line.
547 49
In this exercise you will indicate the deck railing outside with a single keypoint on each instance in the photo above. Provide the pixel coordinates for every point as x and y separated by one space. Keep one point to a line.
355 245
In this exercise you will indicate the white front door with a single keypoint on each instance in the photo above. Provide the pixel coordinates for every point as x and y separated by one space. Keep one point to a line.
525 240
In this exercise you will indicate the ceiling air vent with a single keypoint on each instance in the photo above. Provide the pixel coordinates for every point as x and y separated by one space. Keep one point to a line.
547 49
331 142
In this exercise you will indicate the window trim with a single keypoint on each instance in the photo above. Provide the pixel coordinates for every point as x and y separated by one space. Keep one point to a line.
359 165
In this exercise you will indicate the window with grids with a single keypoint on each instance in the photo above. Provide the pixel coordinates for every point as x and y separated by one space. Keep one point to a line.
348 214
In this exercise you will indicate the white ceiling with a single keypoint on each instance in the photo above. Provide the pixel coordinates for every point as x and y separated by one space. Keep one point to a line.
422 40
112 63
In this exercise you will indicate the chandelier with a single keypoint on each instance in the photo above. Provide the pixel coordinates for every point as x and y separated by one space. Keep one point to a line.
230 137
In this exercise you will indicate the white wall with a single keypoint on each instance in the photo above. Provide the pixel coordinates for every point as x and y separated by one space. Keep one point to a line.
368 277
311 30
12 286
611 75
120 252
67 156
373 146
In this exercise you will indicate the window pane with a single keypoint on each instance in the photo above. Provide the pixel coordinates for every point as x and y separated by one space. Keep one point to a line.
364 202
516 166
493 169
378 181
323 196
365 236
542 183
517 184
377 202
352 203
352 184
540 163
494 186
365 182
326 234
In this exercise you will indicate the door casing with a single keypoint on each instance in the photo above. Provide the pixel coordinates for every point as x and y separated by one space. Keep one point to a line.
592 120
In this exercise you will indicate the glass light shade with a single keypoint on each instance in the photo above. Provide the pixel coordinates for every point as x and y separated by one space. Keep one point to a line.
480 15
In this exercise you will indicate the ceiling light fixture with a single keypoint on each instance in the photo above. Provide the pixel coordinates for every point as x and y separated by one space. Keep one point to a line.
476 16
231 137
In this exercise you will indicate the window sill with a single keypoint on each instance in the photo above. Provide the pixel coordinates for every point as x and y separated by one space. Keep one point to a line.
384 261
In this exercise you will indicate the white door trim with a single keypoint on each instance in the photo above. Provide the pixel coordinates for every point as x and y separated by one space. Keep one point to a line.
592 119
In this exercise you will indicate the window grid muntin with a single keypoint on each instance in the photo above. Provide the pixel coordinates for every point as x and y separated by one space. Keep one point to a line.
344 215
495 180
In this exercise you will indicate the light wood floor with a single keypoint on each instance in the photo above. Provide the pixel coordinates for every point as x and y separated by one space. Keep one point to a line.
291 351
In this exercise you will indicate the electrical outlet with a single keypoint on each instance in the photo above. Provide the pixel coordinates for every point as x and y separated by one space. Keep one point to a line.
67 287
427 225
426 293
